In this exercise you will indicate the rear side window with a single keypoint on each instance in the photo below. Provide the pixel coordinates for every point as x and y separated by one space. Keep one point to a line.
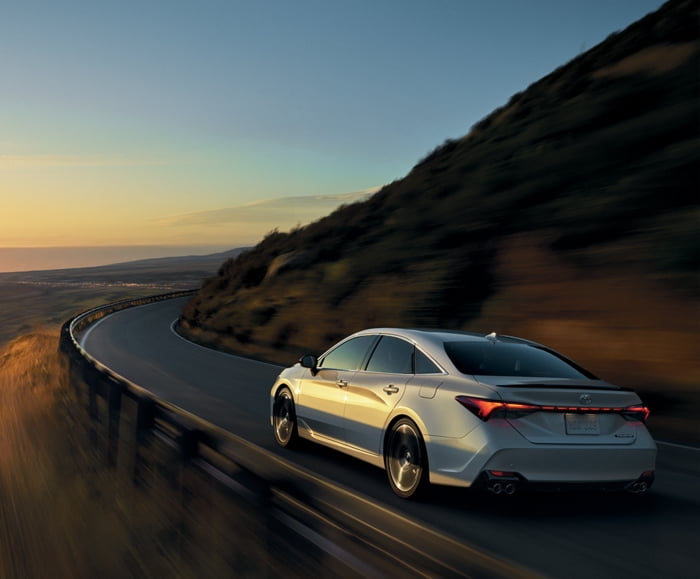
349 355
504 359
425 365
393 356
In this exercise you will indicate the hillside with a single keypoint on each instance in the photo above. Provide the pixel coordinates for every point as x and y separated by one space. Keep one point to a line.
568 216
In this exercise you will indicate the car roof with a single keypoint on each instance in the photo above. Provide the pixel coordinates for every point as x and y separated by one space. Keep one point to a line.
437 334
427 337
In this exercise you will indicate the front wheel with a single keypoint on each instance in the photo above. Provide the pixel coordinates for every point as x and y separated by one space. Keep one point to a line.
284 419
406 460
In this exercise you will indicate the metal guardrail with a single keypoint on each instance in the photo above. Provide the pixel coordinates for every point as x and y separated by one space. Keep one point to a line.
296 522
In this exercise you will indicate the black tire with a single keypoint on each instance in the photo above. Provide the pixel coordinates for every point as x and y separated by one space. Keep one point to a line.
406 460
284 418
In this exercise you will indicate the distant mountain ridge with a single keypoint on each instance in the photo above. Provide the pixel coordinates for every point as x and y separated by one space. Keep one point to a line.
148 270
569 215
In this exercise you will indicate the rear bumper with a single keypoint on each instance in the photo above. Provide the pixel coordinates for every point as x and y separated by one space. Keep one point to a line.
509 482
573 464
461 462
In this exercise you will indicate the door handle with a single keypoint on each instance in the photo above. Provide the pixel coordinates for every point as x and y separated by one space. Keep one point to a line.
342 383
391 389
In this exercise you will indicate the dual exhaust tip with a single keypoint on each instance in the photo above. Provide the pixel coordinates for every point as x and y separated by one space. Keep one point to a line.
501 482
642 484
638 487
507 483
507 488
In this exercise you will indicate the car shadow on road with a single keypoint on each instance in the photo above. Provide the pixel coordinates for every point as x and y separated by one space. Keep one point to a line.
359 476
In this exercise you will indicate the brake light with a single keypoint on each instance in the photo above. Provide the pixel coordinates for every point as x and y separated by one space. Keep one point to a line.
639 412
480 407
486 409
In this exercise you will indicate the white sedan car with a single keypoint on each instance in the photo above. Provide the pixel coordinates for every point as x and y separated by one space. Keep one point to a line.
465 409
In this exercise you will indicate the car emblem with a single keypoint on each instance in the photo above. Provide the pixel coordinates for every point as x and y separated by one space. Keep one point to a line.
584 399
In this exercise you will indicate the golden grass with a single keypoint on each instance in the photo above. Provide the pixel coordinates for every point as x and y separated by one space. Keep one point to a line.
629 329
40 529
63 513
656 59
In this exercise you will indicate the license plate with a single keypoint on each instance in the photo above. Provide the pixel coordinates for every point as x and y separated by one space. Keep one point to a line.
582 424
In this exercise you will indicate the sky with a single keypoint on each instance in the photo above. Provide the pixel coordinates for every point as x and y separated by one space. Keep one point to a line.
205 124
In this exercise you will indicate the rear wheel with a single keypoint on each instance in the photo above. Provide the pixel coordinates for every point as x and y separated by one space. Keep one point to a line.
406 460
284 418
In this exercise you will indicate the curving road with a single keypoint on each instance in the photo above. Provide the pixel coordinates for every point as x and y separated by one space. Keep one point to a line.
573 536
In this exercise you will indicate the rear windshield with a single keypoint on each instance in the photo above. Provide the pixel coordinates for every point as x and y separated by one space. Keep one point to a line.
507 359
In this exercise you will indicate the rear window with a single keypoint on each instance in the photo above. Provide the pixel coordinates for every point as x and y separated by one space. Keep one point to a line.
507 359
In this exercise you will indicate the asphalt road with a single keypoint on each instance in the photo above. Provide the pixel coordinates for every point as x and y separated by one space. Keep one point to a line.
572 535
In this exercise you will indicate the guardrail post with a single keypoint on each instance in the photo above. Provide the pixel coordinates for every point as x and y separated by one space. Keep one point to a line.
144 424
92 408
114 411
144 418
189 440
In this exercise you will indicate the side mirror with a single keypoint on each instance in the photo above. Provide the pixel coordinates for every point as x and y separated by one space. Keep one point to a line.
309 361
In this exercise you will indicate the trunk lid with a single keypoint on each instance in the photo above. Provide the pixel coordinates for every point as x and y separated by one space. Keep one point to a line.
568 411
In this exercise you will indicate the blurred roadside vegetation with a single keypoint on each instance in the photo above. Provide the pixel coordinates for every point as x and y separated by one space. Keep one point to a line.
57 515
65 513
568 216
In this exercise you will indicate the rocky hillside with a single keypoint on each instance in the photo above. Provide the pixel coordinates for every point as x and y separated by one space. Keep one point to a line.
568 216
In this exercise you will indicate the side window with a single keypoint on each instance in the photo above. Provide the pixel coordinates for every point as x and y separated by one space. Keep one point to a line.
349 355
424 365
393 356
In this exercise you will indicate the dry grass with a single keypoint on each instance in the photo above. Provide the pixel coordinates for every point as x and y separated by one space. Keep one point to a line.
653 60
42 533
628 329
63 513
25 306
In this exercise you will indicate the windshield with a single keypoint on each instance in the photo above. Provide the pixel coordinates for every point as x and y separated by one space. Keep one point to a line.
509 359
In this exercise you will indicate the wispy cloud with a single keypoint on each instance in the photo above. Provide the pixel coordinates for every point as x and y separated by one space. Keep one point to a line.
57 161
280 212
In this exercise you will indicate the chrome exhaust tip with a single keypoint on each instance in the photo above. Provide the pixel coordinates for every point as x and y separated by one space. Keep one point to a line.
638 487
496 488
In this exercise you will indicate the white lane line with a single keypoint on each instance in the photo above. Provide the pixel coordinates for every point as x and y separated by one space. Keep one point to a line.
87 332
213 351
676 445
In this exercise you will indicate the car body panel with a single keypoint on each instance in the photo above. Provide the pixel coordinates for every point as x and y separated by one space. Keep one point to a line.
321 402
371 396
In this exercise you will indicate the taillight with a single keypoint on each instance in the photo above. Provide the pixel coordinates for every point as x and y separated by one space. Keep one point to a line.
486 409
640 413
479 407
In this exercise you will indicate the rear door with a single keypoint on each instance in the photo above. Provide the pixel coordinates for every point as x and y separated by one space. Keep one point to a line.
374 391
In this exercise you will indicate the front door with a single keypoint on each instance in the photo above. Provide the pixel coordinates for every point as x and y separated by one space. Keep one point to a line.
322 398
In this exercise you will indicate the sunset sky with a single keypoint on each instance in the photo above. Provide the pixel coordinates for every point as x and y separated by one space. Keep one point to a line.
209 123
